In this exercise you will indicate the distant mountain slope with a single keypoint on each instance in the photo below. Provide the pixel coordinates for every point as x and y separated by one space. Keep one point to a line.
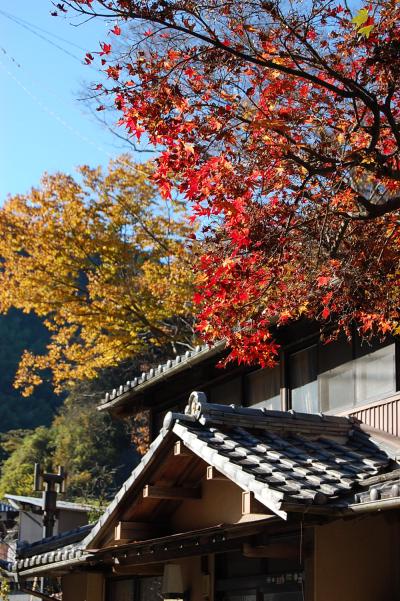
18 332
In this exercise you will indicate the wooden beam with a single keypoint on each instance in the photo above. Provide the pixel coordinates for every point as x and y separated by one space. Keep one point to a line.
251 505
273 550
128 531
213 474
180 450
167 492
167 553
43 596
141 570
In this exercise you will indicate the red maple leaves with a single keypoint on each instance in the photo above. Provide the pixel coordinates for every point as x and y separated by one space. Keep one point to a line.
282 132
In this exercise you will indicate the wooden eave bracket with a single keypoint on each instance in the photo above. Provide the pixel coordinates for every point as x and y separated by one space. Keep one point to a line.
213 474
250 505
181 451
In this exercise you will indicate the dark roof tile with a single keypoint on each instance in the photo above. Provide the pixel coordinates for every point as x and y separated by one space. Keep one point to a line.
319 460
283 458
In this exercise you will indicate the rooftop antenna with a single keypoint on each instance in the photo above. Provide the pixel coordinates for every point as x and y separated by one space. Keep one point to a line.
50 485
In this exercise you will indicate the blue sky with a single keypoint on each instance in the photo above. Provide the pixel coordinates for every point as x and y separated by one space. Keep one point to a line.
44 126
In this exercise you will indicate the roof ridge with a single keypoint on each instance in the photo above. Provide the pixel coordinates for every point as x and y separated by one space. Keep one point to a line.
70 537
161 371
200 410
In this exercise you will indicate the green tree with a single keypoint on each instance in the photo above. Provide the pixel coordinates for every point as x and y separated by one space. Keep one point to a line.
95 451
17 469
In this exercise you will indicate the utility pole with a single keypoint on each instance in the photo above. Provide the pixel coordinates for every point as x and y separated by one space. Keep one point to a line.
50 484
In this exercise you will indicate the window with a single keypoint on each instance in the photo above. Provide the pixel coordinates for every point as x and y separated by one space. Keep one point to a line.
150 588
135 589
340 375
263 388
239 578
375 374
303 368
335 376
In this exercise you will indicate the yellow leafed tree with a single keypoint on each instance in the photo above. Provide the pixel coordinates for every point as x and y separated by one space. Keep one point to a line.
104 260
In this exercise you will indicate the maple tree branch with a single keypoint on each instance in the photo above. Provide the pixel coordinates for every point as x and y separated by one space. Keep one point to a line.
378 210
149 17
392 122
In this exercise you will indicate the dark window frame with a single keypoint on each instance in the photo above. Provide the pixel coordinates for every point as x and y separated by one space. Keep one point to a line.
314 339
137 580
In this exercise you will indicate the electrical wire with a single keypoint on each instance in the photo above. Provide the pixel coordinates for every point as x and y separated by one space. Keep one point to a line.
64 123
30 27
20 21
39 35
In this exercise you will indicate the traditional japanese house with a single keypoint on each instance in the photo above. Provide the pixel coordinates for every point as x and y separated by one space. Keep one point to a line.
353 378
267 486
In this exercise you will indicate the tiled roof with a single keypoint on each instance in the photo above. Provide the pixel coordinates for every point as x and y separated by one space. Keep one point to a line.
384 487
284 458
64 547
6 566
70 554
158 374
6 508
50 543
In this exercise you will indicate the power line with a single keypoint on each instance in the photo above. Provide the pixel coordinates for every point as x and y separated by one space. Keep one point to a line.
40 83
54 35
12 59
39 35
65 124
29 26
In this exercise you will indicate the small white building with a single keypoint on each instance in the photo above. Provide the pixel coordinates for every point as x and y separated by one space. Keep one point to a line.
30 522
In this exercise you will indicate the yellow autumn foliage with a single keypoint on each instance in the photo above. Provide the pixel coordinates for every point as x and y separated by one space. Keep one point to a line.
104 260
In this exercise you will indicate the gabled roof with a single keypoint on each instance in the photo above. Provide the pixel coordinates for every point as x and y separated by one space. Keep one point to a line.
289 461
19 501
286 459
44 545
283 458
154 376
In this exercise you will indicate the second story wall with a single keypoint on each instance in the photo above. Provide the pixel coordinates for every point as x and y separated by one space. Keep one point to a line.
341 377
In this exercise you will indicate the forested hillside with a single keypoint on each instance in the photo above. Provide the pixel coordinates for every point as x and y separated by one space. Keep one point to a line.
96 452
19 331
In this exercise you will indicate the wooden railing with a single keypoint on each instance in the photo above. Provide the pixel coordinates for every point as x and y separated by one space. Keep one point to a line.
383 415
